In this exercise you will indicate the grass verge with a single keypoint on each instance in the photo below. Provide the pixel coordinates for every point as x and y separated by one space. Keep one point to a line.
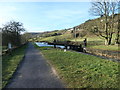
10 63
105 47
83 71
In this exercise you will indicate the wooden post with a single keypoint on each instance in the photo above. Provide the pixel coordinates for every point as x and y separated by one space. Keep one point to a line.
10 48
54 42
85 42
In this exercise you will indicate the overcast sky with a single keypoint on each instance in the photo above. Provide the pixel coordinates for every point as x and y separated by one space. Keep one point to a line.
45 16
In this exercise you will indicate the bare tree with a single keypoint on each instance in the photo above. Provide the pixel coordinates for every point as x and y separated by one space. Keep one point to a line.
118 32
118 27
105 27
11 33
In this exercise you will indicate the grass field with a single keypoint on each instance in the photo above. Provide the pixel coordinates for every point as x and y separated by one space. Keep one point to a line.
83 71
98 43
10 63
60 37
103 47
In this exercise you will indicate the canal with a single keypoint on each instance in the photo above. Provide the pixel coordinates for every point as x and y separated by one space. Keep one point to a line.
41 44
73 47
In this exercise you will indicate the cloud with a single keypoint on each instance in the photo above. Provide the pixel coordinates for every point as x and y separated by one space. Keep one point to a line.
3 20
6 14
7 9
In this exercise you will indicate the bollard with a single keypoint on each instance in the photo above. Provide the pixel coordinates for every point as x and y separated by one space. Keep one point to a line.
10 48
54 45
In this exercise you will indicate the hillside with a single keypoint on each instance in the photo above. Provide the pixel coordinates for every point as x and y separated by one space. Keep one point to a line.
83 30
91 22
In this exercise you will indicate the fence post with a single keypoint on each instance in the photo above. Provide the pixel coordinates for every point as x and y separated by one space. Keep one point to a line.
54 42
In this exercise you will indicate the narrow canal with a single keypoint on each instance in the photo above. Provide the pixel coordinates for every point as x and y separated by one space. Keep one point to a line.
41 44
70 47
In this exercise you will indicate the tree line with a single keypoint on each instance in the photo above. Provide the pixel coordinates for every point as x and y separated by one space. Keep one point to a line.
12 33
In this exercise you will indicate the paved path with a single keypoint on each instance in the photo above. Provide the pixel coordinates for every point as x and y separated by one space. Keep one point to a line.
34 72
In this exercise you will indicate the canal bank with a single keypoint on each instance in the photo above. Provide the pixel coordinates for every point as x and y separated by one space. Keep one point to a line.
79 70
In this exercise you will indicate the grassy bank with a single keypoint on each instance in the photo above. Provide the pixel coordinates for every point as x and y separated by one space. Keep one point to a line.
105 47
83 71
10 63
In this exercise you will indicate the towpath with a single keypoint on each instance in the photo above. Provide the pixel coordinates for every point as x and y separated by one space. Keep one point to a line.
34 72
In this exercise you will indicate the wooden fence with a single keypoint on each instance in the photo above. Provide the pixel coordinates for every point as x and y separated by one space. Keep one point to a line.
6 51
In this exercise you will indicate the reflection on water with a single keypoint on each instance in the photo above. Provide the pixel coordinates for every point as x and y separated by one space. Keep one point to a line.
40 44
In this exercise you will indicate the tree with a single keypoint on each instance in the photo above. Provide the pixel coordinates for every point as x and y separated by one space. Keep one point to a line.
118 27
117 41
25 37
11 33
0 37
105 27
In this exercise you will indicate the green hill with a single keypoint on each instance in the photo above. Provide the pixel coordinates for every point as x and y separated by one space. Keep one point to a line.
84 30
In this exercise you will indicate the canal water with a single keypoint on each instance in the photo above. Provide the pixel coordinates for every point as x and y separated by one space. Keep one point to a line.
41 44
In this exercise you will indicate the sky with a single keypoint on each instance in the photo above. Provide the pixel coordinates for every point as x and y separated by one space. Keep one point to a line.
45 16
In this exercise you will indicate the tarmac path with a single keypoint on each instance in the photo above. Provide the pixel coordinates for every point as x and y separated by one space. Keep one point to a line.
34 72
